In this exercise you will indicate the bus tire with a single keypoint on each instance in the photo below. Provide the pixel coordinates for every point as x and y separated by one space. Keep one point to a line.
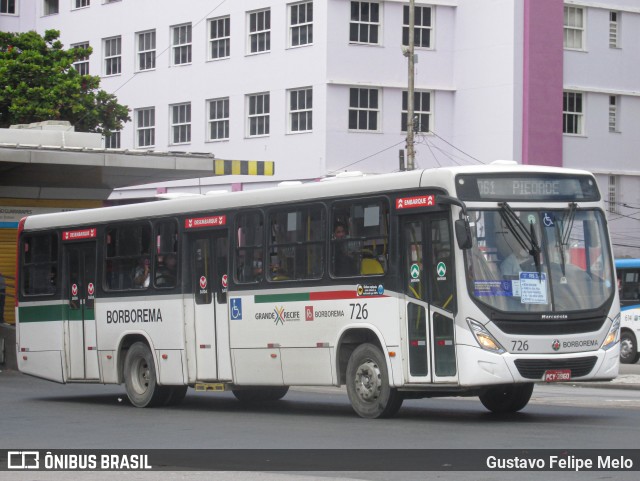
140 378
506 398
368 387
260 395
628 348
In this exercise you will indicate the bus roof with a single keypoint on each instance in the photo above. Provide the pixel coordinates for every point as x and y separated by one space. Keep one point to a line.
442 178
627 263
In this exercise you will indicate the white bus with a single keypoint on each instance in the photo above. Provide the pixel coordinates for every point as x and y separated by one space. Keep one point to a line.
628 274
464 281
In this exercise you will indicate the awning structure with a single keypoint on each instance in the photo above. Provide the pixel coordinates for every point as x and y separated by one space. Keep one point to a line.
32 171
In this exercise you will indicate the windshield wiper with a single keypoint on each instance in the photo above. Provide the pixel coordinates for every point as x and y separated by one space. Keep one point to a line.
526 238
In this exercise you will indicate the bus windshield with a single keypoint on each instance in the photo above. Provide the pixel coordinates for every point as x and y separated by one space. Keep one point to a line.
545 260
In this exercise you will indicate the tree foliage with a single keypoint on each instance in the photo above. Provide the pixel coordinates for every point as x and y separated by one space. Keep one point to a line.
39 82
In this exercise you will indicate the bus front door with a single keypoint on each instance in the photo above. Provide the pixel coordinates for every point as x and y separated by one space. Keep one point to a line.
208 259
80 286
428 274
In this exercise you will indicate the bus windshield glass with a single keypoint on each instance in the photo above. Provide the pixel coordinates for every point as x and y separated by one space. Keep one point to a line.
546 260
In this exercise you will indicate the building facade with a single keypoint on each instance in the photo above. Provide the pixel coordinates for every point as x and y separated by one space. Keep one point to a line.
320 86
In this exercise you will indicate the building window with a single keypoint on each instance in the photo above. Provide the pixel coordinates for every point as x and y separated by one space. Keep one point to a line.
219 38
146 45
258 117
82 63
572 113
260 31
614 100
301 24
365 23
112 141
301 110
8 7
181 44
613 194
423 26
82 3
112 56
614 27
145 127
181 123
219 119
574 28
421 111
50 7
363 109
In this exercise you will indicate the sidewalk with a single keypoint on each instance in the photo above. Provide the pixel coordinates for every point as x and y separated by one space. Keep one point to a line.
623 381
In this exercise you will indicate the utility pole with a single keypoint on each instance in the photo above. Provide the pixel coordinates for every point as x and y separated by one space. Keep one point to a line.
411 154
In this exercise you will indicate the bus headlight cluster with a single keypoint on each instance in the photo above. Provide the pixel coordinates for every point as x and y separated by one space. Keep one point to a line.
484 337
614 334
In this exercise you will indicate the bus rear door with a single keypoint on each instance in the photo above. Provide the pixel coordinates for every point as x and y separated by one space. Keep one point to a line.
208 260
82 346
428 275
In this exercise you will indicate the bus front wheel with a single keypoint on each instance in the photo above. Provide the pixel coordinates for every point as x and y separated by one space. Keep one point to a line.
368 386
628 348
140 377
507 398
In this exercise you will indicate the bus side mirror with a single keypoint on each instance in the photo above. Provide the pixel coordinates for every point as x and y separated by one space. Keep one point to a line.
463 234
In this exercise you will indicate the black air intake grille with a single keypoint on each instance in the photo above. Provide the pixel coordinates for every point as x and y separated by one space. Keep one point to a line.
535 368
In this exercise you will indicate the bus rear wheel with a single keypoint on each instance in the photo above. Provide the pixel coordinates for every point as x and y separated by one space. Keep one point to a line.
628 348
368 386
260 395
140 378
507 398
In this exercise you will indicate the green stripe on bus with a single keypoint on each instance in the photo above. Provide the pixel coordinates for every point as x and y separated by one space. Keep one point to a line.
302 296
59 312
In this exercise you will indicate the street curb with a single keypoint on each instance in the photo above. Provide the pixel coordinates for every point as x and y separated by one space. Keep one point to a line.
624 381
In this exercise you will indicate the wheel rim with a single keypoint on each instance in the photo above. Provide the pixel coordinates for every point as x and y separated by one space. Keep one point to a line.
141 374
626 348
368 381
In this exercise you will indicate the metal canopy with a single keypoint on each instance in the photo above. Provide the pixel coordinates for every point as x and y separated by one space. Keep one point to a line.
102 170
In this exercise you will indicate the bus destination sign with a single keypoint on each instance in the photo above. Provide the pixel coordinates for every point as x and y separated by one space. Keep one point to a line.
414 202
502 187
82 234
199 222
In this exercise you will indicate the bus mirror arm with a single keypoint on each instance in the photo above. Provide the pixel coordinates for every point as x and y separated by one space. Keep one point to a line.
462 226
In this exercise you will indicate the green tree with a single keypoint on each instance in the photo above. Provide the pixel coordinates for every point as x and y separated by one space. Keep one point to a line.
38 82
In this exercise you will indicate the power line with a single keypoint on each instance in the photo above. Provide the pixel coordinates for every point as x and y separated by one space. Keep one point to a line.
365 158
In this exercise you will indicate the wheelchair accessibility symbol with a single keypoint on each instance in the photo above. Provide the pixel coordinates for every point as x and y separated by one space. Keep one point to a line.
547 220
236 309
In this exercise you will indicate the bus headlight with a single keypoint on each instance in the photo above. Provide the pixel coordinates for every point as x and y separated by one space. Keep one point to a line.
614 334
484 337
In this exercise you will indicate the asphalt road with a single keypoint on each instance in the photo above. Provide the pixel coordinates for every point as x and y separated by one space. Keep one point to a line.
38 414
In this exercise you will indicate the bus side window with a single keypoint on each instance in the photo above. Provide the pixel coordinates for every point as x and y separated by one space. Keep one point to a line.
128 252
296 243
166 255
39 264
249 258
360 239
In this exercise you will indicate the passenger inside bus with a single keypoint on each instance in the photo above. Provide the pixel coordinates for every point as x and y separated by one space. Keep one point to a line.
344 261
166 271
142 274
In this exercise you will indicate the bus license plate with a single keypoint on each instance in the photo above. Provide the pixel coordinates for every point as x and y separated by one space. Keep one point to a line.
557 375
